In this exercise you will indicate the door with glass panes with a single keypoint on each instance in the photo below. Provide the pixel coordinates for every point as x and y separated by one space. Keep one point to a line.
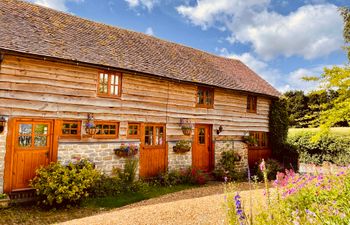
153 150
32 149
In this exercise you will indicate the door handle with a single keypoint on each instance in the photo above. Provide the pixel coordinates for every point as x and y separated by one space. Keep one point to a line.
47 154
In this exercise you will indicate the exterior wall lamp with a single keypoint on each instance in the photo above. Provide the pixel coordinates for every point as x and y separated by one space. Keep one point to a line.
219 130
2 124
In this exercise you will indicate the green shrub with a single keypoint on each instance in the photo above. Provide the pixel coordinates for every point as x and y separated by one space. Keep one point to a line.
225 170
329 148
272 167
59 185
183 176
128 174
106 186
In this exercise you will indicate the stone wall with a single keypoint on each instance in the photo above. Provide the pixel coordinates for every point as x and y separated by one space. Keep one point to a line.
238 146
101 154
178 161
2 158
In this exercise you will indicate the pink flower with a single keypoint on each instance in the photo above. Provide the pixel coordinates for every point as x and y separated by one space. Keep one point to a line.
262 165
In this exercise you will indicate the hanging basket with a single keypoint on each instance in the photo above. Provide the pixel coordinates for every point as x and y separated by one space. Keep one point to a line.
180 150
186 131
91 131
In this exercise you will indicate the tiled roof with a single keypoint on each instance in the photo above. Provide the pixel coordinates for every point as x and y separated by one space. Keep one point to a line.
33 29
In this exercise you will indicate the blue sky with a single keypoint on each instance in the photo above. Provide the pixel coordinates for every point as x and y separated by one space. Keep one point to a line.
280 40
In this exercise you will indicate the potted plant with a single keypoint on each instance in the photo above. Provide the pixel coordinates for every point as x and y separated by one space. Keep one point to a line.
4 201
186 126
182 146
90 127
126 150
250 140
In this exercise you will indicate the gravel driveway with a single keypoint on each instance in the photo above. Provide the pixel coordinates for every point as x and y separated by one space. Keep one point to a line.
196 206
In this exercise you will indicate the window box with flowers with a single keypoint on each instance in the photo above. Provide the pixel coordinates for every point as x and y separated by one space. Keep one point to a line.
4 201
182 147
128 150
186 126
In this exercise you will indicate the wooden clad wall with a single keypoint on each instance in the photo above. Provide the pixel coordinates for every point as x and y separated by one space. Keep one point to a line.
39 88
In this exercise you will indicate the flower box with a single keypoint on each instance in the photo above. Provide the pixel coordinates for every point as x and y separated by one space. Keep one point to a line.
181 149
92 130
126 151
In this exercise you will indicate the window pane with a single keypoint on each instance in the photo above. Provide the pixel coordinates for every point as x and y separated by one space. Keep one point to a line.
74 132
201 136
159 135
74 125
40 141
24 141
200 97
25 128
40 129
66 125
116 90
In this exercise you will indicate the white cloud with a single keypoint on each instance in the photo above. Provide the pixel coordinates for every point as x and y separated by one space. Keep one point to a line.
311 31
55 4
283 82
149 31
148 4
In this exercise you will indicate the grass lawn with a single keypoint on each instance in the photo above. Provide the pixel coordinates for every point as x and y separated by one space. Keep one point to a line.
31 214
341 131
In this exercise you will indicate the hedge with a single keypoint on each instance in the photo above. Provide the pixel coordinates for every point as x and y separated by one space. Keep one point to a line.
329 148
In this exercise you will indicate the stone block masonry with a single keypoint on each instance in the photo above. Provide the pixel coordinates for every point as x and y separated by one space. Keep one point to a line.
239 147
102 154
2 157
178 161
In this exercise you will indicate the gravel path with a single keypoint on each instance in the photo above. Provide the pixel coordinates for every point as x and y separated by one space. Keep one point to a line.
195 206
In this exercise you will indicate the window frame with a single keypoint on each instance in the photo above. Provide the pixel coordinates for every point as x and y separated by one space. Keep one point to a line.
260 135
133 136
106 136
205 97
252 100
70 136
154 135
109 95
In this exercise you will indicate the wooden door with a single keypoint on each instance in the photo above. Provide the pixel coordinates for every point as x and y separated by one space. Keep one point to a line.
31 149
153 155
201 150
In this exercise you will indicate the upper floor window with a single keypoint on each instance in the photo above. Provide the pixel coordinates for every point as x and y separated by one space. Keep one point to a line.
251 103
205 97
109 84
70 129
258 139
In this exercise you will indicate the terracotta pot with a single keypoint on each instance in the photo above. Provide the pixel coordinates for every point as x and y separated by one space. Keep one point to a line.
4 203
187 131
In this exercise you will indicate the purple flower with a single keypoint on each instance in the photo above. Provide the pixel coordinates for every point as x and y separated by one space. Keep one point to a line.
225 178
239 210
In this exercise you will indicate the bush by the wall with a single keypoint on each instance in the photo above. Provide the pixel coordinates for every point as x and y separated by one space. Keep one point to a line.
278 131
225 170
59 185
272 167
183 176
329 148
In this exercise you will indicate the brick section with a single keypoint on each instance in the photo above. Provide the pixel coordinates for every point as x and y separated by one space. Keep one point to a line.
238 146
178 161
101 154
28 28
2 157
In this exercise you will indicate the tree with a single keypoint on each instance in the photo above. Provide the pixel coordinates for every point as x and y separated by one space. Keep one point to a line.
296 104
337 79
